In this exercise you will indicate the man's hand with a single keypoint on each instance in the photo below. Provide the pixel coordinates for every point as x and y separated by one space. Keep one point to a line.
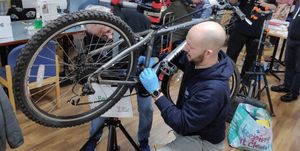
100 31
264 4
149 80
233 2
142 60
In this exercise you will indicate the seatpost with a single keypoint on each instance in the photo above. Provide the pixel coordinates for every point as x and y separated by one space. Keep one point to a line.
149 52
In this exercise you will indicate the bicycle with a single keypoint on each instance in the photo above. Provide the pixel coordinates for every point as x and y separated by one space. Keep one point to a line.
111 66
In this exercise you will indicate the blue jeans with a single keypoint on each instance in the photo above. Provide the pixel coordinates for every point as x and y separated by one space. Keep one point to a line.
145 119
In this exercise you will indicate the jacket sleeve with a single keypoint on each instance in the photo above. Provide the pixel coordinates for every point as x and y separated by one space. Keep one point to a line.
13 132
207 11
196 113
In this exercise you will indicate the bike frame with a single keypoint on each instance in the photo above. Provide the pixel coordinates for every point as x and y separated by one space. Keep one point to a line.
149 38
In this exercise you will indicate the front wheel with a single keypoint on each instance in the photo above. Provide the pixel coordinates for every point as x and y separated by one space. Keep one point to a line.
54 66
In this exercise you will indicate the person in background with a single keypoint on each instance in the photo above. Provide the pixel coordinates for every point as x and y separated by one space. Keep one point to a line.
291 84
198 117
183 7
138 23
245 34
205 8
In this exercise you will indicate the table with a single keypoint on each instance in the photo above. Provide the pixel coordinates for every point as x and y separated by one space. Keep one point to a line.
20 33
21 36
280 32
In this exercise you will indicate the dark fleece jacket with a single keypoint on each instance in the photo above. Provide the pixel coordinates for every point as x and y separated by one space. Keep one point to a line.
203 99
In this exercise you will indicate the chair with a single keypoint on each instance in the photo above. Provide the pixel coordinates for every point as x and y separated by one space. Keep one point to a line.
47 58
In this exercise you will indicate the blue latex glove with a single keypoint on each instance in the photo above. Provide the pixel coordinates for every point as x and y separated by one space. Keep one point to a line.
142 60
149 80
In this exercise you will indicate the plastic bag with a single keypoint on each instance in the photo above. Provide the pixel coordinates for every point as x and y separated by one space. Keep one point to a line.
250 129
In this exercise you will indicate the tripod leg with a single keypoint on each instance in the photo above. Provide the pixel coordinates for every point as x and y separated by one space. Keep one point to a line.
251 90
268 95
259 80
243 89
272 73
112 138
128 137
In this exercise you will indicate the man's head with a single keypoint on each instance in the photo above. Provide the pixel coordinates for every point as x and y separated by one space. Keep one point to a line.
101 31
204 41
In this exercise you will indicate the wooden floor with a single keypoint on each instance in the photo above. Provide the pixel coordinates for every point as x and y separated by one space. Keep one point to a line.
286 130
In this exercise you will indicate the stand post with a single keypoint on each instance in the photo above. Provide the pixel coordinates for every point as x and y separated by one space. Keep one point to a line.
257 74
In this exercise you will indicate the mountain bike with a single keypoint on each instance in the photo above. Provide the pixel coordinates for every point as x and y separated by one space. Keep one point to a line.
86 61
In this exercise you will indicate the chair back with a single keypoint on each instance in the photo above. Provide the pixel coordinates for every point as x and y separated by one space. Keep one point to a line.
46 57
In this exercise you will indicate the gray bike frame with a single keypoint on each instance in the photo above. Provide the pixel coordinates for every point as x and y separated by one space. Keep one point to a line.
148 39
150 34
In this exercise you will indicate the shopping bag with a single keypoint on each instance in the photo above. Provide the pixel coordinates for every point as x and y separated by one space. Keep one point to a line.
250 129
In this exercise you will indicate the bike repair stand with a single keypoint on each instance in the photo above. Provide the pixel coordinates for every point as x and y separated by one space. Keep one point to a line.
112 145
254 77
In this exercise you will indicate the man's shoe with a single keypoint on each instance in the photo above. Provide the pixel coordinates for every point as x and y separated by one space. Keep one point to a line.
280 88
289 97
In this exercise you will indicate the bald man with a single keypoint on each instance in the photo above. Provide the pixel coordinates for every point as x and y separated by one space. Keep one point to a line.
198 118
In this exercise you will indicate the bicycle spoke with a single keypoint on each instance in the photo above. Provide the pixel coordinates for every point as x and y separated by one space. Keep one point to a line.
44 95
64 53
91 42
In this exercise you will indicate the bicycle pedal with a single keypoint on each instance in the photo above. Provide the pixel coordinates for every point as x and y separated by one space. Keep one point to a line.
75 101
87 89
168 68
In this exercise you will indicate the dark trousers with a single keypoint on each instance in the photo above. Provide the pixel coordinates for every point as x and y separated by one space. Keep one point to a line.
236 43
292 66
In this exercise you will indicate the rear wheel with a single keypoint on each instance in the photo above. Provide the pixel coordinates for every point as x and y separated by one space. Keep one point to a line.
55 64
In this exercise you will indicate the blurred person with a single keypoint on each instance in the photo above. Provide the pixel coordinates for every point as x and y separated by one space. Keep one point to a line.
291 84
245 34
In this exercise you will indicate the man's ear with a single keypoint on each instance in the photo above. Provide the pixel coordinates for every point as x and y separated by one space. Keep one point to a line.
209 52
